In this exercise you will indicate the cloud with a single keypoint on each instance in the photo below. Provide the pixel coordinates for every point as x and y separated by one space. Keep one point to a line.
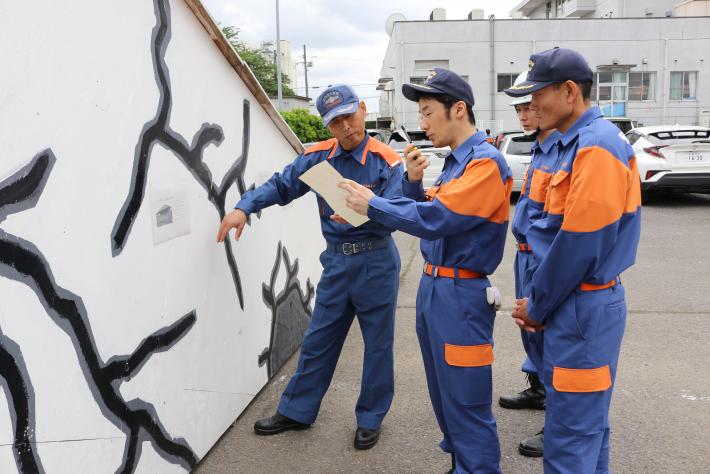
346 40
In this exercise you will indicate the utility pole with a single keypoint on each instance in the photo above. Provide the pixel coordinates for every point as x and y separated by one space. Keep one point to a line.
305 68
278 59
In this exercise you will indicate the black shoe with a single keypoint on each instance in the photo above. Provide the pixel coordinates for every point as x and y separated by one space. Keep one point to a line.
453 464
532 397
532 447
278 424
365 439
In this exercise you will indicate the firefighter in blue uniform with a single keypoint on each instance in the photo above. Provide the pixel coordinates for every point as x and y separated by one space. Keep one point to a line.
360 271
528 209
588 235
462 221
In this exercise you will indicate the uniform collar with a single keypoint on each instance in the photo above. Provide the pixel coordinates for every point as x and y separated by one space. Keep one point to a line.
586 118
358 154
547 143
463 150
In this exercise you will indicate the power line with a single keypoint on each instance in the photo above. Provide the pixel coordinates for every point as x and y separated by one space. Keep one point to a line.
348 59
325 86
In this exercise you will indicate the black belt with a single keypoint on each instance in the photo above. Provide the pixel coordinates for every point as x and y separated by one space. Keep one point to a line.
351 248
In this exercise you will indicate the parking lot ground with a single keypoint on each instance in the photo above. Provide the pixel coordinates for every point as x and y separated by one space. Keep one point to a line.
661 410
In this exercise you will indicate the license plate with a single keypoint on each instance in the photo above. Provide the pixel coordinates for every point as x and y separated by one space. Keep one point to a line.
696 157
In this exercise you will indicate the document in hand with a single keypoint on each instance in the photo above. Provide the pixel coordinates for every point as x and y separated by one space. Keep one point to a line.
324 179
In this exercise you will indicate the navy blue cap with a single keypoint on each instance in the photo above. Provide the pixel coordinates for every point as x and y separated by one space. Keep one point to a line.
336 100
440 81
553 66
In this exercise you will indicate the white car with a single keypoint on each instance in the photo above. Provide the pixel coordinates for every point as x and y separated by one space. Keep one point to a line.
399 140
672 157
517 150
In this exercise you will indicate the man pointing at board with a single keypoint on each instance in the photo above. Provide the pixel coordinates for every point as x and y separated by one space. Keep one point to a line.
360 271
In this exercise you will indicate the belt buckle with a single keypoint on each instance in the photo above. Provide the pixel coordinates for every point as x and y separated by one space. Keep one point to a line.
348 248
434 269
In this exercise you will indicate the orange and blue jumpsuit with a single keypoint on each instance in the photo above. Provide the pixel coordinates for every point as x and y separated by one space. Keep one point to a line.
360 277
462 221
588 234
530 208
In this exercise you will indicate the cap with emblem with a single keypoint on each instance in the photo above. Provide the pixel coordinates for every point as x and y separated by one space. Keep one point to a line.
336 100
553 66
440 81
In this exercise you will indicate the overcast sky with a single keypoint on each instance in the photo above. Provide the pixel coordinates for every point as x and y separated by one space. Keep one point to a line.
345 39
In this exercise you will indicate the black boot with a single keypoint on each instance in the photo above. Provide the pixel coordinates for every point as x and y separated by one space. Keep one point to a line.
366 438
532 397
278 424
532 447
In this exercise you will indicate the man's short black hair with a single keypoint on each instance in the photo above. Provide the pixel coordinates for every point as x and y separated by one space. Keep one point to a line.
449 102
584 87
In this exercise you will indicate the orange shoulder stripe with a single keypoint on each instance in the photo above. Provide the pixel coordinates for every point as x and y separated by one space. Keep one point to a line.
383 151
322 146
599 189
480 192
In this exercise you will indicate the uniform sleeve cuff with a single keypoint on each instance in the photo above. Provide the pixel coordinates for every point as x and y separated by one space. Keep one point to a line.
412 189
375 206
245 206
534 312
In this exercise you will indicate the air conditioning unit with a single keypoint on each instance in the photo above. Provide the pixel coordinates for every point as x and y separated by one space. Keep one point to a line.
438 14
704 117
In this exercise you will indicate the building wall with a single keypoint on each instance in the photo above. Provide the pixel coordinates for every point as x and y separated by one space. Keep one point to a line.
608 9
640 42
129 339
692 8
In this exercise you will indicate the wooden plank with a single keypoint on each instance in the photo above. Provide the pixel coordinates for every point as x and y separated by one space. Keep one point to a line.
242 69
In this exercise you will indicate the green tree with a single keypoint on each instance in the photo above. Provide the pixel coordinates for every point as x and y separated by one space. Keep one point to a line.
306 126
265 71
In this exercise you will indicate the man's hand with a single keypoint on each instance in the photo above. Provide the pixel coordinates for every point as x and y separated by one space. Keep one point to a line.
236 219
416 163
521 318
358 196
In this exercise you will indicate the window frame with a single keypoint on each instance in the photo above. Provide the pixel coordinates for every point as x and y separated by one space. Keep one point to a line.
652 75
694 97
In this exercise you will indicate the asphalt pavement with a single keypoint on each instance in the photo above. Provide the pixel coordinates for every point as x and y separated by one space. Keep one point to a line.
660 413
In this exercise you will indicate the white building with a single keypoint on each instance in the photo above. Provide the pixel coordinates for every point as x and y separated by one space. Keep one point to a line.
651 69
288 63
593 8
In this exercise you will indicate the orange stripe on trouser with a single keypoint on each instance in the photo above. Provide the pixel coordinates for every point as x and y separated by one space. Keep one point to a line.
581 380
468 356
449 272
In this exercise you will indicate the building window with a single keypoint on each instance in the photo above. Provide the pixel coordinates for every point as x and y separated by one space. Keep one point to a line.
642 86
683 85
505 81
608 86
417 80
430 64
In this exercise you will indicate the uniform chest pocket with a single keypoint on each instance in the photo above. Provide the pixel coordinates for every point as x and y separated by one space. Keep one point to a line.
431 192
539 185
557 192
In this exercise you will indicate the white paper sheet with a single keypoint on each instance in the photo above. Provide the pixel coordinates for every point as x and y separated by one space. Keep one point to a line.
324 180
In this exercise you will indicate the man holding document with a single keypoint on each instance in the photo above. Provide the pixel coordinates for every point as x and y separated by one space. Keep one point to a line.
360 266
462 221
